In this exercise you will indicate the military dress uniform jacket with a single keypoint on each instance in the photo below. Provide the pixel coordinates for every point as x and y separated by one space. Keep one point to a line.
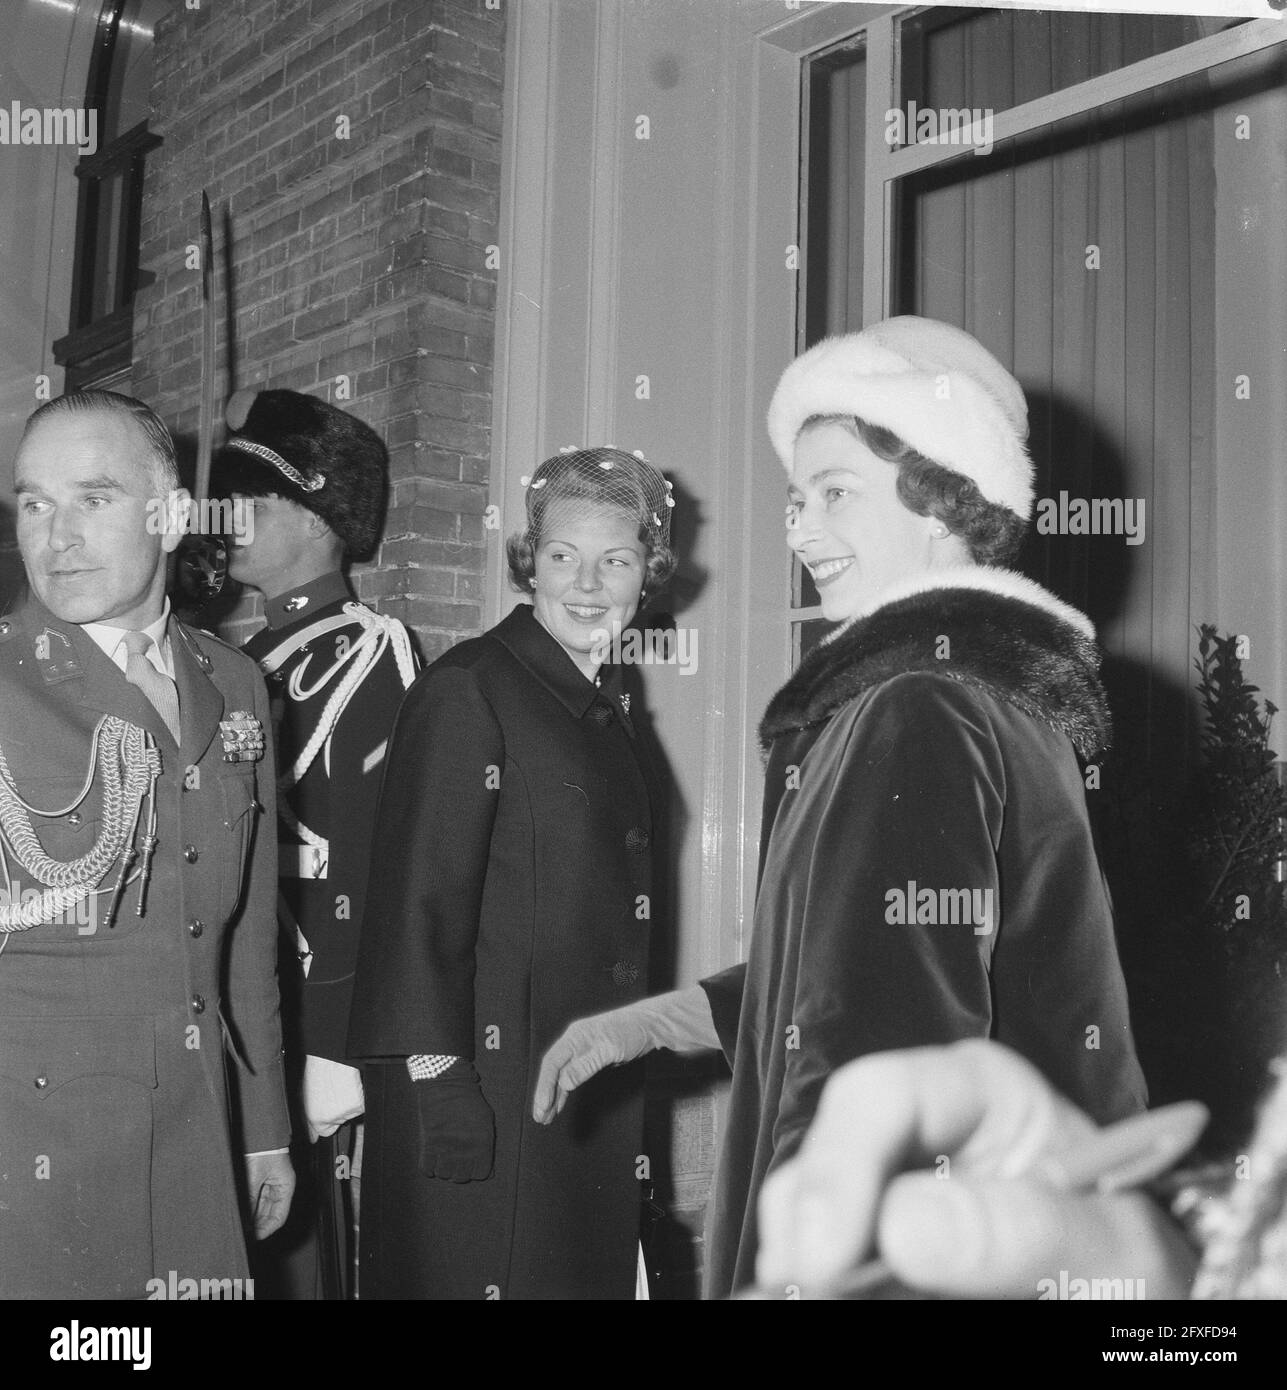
312 641
119 1159
509 895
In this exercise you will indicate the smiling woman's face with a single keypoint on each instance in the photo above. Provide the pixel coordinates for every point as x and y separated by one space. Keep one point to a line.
590 568
846 523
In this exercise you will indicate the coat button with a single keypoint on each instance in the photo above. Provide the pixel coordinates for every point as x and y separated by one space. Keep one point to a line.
190 853
601 715
624 973
637 838
198 1004
40 1082
196 926
74 818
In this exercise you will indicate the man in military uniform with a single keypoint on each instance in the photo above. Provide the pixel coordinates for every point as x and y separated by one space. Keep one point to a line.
313 478
137 932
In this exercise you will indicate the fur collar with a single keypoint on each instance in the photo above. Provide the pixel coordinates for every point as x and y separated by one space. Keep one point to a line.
1009 637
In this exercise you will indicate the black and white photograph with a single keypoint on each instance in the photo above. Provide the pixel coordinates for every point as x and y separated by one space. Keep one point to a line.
641 645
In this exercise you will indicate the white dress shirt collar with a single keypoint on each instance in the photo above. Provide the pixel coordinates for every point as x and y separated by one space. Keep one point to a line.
109 640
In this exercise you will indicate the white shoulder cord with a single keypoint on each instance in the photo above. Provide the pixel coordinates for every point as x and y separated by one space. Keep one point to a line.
378 632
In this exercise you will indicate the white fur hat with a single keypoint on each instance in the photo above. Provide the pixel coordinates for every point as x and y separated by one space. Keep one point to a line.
935 386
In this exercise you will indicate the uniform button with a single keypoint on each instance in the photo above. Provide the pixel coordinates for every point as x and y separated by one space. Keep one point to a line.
40 1082
624 973
196 926
198 1004
190 853
637 838
74 818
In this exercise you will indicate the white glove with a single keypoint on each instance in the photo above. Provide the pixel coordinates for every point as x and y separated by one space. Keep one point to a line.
680 1020
332 1096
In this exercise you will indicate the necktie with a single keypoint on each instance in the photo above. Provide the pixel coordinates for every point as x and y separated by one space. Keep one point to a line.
158 688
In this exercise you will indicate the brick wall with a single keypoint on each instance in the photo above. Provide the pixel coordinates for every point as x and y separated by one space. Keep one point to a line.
356 146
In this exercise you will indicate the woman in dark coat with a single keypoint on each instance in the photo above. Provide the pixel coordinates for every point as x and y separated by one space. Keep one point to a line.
510 893
927 869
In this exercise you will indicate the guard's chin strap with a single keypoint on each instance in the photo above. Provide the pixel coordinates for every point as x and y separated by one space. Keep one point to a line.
306 482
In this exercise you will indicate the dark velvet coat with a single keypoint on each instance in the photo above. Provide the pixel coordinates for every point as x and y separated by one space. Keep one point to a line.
931 745
509 895
116 1043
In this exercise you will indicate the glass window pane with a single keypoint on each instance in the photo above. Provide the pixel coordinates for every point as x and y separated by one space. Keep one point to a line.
834 193
804 594
805 636
130 78
111 191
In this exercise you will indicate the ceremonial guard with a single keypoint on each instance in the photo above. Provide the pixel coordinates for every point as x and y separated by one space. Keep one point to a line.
309 481
137 931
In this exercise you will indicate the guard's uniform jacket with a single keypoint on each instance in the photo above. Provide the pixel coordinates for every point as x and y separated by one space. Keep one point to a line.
318 637
120 1161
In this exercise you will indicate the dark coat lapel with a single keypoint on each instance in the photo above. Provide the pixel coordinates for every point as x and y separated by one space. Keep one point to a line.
102 685
1016 649
106 689
529 642
200 703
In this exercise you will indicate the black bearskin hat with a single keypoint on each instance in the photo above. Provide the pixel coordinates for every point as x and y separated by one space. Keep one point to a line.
327 460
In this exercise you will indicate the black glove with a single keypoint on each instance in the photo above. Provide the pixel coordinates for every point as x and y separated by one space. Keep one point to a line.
457 1129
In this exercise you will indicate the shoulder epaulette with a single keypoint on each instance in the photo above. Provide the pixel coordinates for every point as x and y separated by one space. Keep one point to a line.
191 632
189 637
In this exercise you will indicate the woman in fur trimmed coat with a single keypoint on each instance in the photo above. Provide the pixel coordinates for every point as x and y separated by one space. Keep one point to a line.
927 870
